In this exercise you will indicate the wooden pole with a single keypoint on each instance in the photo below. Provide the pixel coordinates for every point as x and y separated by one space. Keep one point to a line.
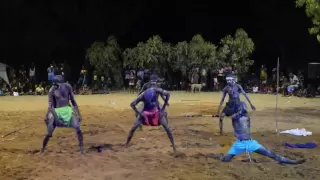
277 95
15 131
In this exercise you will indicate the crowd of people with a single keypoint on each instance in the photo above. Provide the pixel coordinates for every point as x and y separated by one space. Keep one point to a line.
25 82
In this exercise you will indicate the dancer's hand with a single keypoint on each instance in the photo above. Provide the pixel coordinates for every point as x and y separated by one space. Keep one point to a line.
252 107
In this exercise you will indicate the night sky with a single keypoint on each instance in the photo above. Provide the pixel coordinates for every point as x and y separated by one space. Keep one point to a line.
56 30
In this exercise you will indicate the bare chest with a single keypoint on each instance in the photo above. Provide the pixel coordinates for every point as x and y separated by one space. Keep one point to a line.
59 94
232 91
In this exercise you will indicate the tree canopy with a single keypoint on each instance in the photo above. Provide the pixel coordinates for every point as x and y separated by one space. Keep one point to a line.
106 59
236 51
197 53
165 58
312 9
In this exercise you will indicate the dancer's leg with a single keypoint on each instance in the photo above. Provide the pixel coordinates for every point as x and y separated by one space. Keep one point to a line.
280 159
133 129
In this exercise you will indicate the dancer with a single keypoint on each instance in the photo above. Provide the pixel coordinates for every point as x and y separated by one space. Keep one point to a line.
233 90
241 126
60 114
152 83
152 113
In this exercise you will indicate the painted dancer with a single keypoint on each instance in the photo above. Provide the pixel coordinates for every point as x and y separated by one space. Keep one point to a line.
152 113
233 90
60 113
151 84
241 126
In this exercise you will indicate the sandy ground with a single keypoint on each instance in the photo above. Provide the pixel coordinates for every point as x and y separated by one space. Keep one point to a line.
150 155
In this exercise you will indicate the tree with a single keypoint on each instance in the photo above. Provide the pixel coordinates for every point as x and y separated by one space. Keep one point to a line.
312 10
236 51
154 54
198 53
106 59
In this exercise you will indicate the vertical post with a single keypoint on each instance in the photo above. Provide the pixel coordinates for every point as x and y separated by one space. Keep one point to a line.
277 95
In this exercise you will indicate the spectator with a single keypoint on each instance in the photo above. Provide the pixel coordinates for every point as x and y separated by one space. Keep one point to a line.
109 85
282 79
132 80
82 82
215 83
221 78
62 70
32 73
126 78
255 89
4 91
50 71
301 79
39 90
204 76
294 83
140 74
21 86
95 78
133 71
195 77
22 72
263 77
102 82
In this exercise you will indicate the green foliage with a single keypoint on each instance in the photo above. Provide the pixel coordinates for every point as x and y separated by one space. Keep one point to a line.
236 51
312 9
154 54
106 59
196 53
162 57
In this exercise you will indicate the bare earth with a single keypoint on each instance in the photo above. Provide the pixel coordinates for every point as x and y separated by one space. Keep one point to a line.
150 155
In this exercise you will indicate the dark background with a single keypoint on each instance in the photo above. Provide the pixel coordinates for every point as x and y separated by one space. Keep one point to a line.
60 30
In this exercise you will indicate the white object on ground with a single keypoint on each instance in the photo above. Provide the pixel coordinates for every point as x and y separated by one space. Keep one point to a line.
112 102
15 94
297 132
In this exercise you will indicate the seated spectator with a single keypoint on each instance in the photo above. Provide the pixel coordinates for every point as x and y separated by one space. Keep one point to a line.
294 83
95 89
39 90
255 89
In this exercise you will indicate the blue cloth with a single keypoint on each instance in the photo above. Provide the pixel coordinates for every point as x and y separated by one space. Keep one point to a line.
290 89
240 147
308 145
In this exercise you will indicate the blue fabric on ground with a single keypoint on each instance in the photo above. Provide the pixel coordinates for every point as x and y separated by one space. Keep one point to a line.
309 145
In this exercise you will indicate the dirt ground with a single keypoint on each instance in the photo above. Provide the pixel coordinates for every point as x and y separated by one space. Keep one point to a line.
150 155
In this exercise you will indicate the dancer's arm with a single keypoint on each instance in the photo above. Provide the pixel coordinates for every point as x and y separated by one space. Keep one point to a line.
246 96
143 88
135 102
73 101
51 103
224 91
163 93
